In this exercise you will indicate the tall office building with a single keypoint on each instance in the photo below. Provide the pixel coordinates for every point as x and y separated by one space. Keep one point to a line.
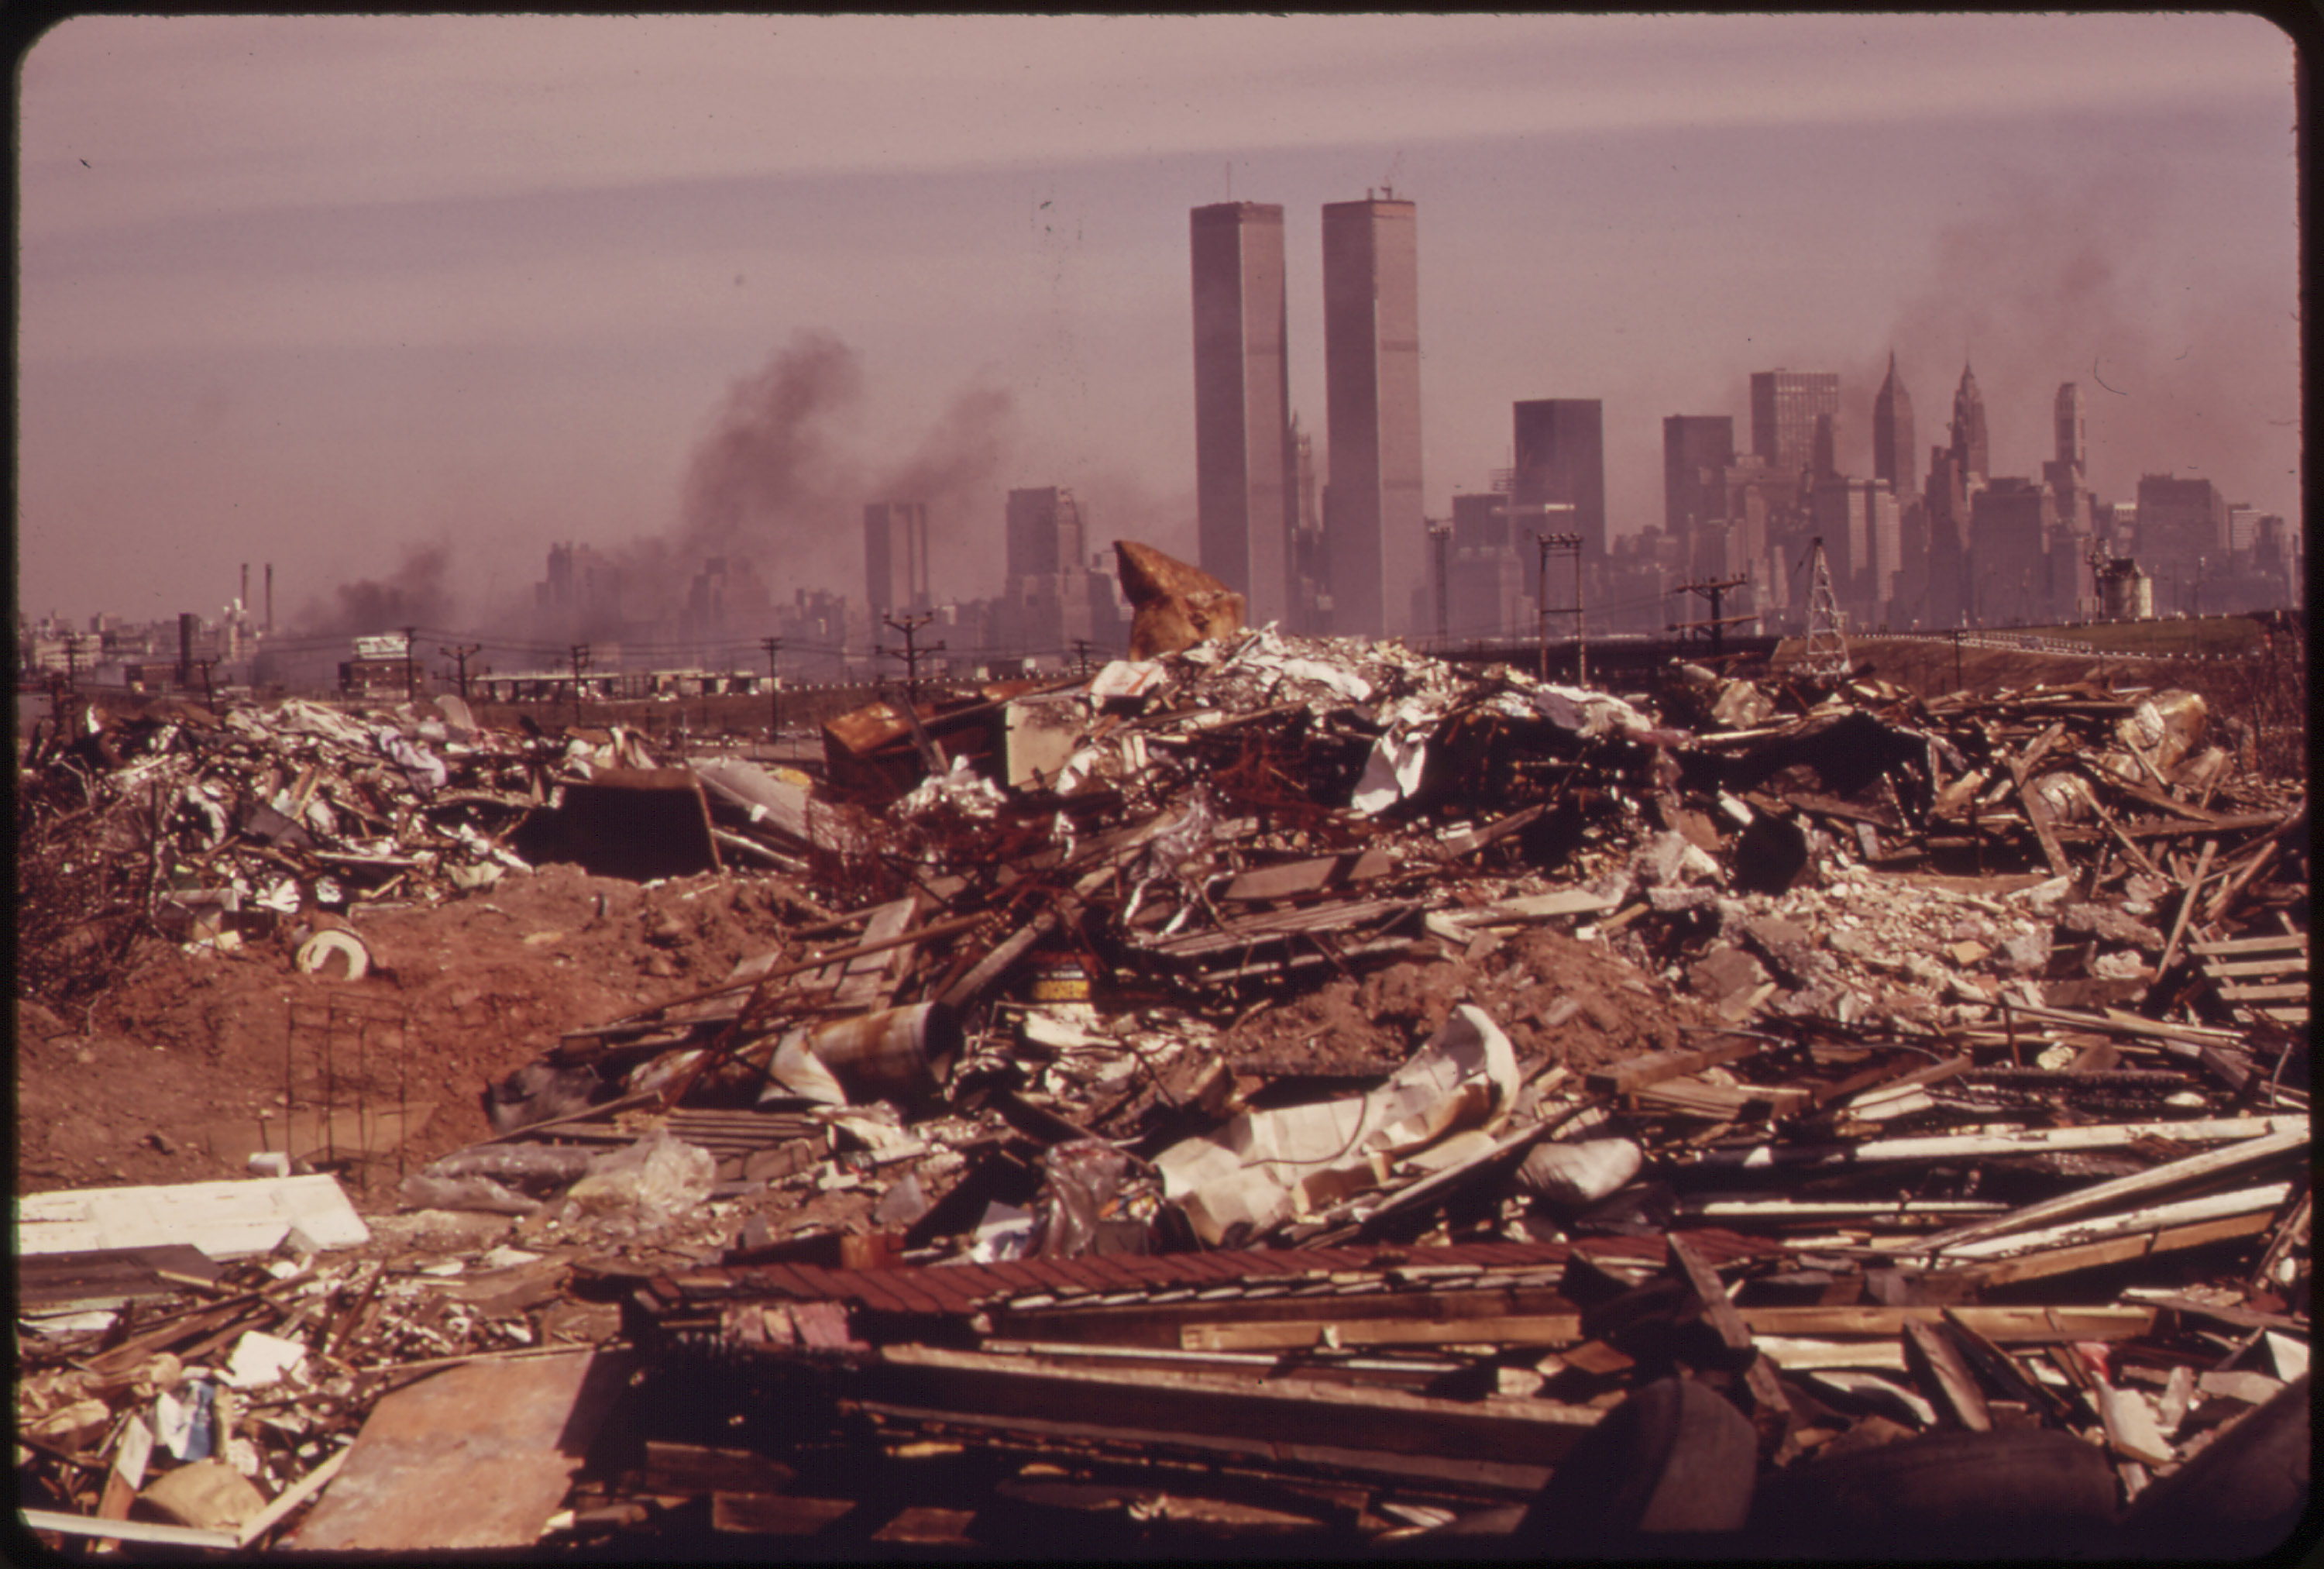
1697 450
896 555
2073 431
1784 409
1245 489
1893 452
1970 455
2067 475
1374 530
1560 460
1045 532
2182 537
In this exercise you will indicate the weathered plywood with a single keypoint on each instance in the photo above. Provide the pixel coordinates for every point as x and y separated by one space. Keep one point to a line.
225 1220
476 1456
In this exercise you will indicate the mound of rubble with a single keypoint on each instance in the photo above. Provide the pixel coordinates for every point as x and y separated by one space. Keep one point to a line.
1287 1093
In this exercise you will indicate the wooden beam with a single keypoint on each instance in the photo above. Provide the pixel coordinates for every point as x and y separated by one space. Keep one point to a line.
2021 1141
2098 1196
2091 1228
1520 1329
1635 1074
1774 1411
1938 1363
127 1530
977 1386
2187 905
2091 1255
1556 1329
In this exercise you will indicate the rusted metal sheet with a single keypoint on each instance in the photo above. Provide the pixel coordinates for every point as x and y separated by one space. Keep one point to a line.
476 1456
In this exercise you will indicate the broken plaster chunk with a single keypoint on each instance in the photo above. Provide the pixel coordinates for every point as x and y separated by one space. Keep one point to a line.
259 1358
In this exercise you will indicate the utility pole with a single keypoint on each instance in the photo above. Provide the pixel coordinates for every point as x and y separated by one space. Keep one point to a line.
1562 542
774 645
910 652
461 654
210 699
410 664
72 671
1957 659
1717 594
580 663
1081 656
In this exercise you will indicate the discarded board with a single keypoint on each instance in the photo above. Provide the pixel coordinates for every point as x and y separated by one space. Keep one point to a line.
478 1456
225 1220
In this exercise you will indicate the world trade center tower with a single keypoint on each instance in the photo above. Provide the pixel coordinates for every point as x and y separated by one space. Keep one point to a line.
1244 488
1374 533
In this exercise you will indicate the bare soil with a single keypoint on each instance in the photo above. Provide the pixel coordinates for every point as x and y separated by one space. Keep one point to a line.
181 1056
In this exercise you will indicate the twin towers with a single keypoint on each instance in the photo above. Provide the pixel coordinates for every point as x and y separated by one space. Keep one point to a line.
1356 579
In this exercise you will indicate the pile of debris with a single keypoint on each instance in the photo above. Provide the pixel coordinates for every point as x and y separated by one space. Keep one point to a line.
1290 1091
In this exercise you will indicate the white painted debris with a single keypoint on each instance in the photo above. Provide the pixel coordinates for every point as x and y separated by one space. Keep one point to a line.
260 1359
225 1220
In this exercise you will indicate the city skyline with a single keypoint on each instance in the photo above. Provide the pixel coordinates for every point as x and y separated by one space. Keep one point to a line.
498 284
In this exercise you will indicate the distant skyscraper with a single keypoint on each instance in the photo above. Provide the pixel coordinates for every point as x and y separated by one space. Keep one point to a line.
1893 452
1970 455
1697 449
1245 488
2073 431
2183 535
1045 532
896 555
2067 475
1561 457
1374 528
1784 409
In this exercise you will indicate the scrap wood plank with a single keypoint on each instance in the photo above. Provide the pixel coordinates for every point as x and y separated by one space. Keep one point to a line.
72 1525
1735 1331
2187 905
1937 1359
1492 1478
1476 839
1320 1330
2091 1228
2115 1250
2247 993
1623 1078
1695 1097
864 981
1289 1320
976 1385
2097 1196
2286 941
106 1277
2091 770
2276 966
2020 1142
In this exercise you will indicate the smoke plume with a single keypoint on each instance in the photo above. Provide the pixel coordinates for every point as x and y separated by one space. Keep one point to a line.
2188 360
418 594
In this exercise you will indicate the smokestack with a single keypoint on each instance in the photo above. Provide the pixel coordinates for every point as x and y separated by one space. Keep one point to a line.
270 599
244 600
186 619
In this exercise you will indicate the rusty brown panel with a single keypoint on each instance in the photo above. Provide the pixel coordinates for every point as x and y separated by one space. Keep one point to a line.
475 1456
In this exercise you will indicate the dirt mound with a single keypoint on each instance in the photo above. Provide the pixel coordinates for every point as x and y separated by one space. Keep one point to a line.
179 1060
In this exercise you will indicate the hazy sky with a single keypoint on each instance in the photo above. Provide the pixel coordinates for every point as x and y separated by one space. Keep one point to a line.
327 292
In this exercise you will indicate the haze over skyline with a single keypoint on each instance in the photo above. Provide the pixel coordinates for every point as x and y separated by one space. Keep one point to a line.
363 296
